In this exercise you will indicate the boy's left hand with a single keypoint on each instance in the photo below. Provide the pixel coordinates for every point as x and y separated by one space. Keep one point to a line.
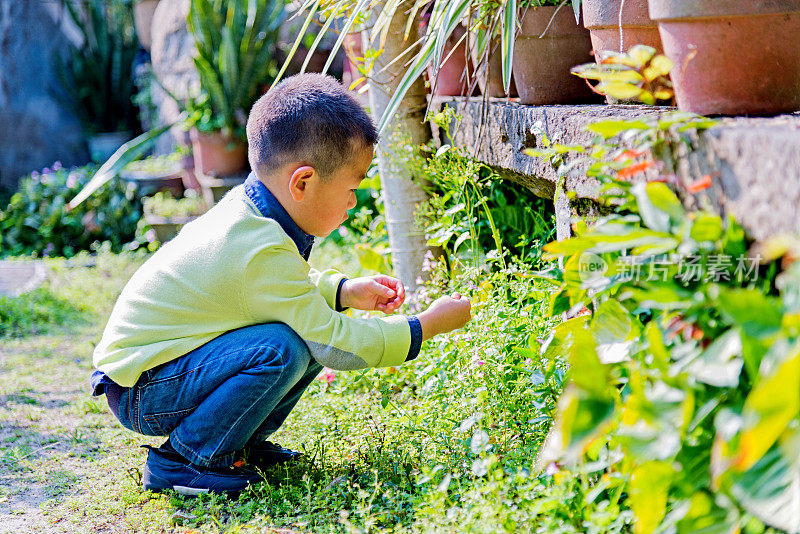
378 292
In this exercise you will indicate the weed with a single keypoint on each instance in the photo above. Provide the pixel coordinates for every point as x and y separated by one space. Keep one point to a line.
33 312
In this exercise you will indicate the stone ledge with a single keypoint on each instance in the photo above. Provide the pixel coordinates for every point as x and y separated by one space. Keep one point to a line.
754 162
18 277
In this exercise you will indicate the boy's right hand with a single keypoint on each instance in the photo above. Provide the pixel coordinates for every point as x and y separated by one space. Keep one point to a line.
444 314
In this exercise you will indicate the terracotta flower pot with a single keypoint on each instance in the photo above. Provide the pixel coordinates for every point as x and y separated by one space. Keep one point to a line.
218 155
490 75
602 19
455 74
541 64
732 57
143 12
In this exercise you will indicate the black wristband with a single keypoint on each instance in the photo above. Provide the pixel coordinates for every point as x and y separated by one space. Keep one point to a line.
339 307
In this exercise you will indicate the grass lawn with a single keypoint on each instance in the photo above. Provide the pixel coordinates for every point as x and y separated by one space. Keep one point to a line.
446 443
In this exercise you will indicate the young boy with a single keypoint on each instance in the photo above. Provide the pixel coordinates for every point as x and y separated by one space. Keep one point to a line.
214 339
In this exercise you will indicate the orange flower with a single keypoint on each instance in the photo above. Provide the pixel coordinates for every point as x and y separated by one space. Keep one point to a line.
702 183
631 170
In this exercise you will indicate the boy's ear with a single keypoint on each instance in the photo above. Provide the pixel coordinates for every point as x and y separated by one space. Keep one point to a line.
299 181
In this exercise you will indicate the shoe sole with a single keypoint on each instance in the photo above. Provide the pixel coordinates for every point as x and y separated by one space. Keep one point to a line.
191 492
156 484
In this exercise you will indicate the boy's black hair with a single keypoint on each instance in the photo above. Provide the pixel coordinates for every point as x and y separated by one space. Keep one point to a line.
309 118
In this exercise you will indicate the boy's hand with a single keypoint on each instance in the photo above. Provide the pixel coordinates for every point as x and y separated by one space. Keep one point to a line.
444 314
378 292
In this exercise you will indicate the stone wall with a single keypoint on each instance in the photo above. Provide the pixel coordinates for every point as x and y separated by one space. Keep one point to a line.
754 163
36 126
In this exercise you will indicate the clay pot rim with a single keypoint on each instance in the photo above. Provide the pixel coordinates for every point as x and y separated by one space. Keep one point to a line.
215 136
669 10
595 17
531 27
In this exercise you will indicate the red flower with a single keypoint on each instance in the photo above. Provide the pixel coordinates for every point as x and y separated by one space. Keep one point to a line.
328 375
702 183
632 170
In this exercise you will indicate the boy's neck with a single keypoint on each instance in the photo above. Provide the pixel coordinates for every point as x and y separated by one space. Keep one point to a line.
282 196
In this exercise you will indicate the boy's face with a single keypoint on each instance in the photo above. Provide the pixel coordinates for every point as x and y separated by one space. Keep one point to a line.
327 202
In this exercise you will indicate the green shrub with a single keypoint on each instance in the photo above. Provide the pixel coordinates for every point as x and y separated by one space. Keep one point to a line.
35 222
165 165
163 205
684 352
98 75
473 212
33 313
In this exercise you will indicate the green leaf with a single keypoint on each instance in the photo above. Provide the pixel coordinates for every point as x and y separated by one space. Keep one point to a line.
652 216
337 9
721 362
607 73
576 8
702 514
788 282
371 259
758 315
299 38
768 409
706 227
581 417
770 489
619 90
562 337
130 151
613 330
587 372
641 54
662 197
649 489
612 128
508 32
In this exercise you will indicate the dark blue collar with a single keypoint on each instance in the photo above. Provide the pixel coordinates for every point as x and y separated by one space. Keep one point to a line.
269 207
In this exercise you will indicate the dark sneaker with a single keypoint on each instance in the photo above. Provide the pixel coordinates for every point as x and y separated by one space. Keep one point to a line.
166 470
266 453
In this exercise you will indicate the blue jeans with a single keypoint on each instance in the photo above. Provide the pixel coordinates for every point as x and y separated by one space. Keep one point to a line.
212 402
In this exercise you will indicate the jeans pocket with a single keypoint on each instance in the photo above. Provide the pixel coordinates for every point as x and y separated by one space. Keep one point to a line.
162 424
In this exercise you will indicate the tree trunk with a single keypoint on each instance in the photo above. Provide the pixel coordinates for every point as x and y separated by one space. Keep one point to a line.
398 149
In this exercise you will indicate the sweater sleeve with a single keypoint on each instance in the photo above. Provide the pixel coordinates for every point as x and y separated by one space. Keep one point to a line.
334 339
327 282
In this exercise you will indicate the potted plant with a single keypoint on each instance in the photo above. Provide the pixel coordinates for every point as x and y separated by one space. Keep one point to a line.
167 215
235 54
453 76
488 67
155 173
732 57
143 11
97 76
489 45
549 43
620 24
241 30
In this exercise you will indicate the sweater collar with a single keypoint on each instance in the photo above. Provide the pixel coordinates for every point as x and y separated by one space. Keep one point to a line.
269 207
